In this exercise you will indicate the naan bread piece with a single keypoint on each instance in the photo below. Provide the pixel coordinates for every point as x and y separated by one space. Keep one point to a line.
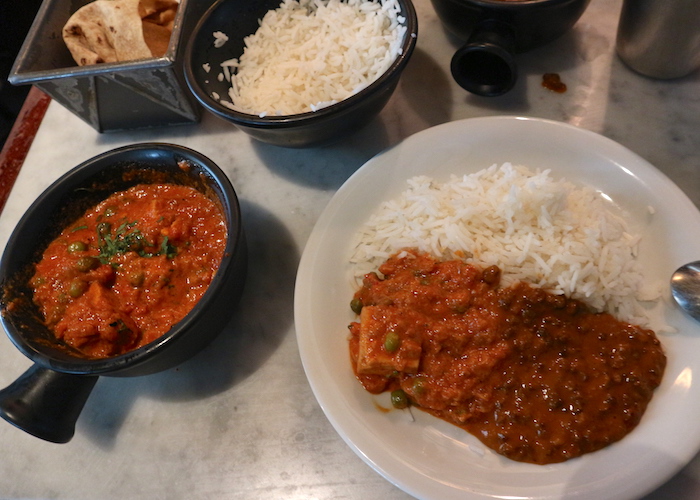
161 12
119 30
158 17
106 31
157 38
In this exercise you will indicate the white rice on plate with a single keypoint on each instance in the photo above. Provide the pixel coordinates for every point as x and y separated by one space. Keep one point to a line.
309 54
550 233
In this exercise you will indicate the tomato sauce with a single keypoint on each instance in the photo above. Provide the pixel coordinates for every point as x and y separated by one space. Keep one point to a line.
536 377
552 81
129 268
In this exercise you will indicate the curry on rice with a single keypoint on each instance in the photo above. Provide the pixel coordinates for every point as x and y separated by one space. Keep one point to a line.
535 376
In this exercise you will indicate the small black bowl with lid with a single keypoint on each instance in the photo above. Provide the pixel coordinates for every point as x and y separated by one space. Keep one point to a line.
48 398
494 31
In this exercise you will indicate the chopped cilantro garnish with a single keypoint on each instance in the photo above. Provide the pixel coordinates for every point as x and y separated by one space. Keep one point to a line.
167 249
128 238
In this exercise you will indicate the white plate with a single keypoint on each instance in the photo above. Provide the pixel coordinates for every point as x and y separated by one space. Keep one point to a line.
431 459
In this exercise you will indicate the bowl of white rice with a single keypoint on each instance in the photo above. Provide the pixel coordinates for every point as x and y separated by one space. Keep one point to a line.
300 73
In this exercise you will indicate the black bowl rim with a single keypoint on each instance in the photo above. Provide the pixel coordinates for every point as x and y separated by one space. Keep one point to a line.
512 3
515 5
512 7
232 214
287 121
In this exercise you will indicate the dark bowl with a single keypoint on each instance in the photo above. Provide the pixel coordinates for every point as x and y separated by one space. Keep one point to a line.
240 18
495 30
58 384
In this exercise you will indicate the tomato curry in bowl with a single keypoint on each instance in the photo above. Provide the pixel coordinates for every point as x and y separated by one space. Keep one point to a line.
131 267
127 265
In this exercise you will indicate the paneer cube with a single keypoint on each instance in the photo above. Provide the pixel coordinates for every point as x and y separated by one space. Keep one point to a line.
388 342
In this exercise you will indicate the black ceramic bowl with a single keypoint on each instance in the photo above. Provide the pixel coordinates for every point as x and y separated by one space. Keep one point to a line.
48 398
240 18
495 30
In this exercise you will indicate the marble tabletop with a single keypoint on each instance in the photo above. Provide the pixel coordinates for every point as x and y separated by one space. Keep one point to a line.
239 420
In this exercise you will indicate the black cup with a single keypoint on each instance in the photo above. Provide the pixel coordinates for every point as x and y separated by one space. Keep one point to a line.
496 30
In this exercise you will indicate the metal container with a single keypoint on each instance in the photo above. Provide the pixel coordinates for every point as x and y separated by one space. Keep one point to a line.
660 38
112 96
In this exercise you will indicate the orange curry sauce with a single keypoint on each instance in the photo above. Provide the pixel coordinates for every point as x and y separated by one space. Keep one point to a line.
131 267
536 377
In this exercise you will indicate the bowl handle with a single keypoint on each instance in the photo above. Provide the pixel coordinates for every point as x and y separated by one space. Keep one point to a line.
485 65
46 403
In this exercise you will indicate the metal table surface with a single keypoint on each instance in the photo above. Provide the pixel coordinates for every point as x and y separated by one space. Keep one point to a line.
239 420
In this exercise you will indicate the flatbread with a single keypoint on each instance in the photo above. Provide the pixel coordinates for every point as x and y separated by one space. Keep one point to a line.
107 31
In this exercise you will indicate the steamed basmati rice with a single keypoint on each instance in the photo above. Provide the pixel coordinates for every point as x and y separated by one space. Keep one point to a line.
308 54
549 233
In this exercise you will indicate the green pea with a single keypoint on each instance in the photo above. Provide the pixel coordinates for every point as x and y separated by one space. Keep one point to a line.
356 306
399 399
136 279
86 263
460 308
392 341
418 386
77 288
77 246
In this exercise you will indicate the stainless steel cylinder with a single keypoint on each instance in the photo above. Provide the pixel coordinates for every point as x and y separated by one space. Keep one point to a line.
660 38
